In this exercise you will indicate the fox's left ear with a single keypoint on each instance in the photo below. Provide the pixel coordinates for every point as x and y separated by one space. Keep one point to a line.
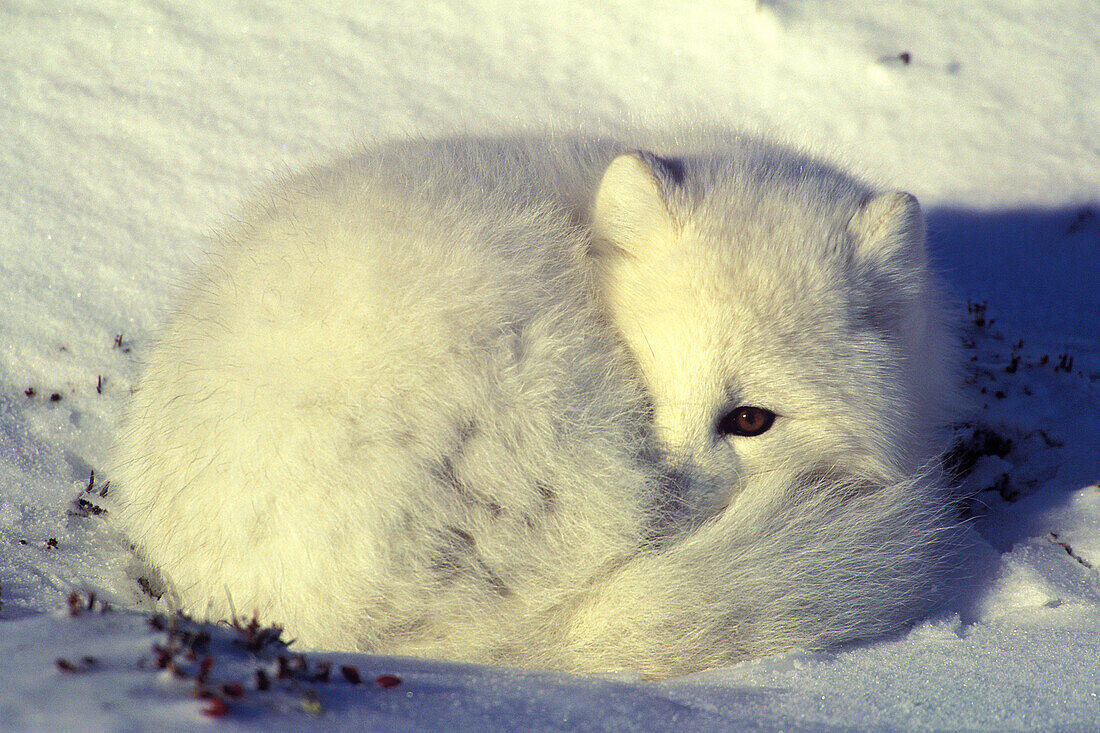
890 253
889 231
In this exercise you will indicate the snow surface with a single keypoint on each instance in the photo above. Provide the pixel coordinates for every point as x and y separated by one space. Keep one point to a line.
131 127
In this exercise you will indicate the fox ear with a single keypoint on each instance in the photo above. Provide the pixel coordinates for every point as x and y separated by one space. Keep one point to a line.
889 231
631 213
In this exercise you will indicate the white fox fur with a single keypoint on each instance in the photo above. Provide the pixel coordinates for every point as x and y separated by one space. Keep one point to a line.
461 399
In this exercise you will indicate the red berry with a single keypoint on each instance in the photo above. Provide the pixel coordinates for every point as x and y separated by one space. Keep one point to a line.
215 707
232 690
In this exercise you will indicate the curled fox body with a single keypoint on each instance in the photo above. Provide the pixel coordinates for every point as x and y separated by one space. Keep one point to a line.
564 403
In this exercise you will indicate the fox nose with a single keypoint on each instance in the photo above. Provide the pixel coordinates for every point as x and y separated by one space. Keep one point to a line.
700 483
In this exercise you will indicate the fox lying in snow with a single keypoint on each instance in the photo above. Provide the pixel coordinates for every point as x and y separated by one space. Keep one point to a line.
564 403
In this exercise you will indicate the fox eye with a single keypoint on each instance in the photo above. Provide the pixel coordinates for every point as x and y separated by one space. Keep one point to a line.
746 421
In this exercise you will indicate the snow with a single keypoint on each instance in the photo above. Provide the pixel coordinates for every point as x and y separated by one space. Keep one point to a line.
130 128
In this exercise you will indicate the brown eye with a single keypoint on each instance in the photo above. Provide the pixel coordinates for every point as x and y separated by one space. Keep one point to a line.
746 421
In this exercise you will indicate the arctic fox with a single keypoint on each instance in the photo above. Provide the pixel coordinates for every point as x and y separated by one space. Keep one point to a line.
566 403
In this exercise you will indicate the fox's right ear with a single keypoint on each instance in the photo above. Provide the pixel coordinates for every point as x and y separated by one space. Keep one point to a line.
631 212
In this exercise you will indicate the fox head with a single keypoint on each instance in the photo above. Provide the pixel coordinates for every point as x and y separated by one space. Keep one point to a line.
781 315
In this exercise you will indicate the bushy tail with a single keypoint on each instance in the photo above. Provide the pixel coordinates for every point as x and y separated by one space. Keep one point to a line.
806 563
